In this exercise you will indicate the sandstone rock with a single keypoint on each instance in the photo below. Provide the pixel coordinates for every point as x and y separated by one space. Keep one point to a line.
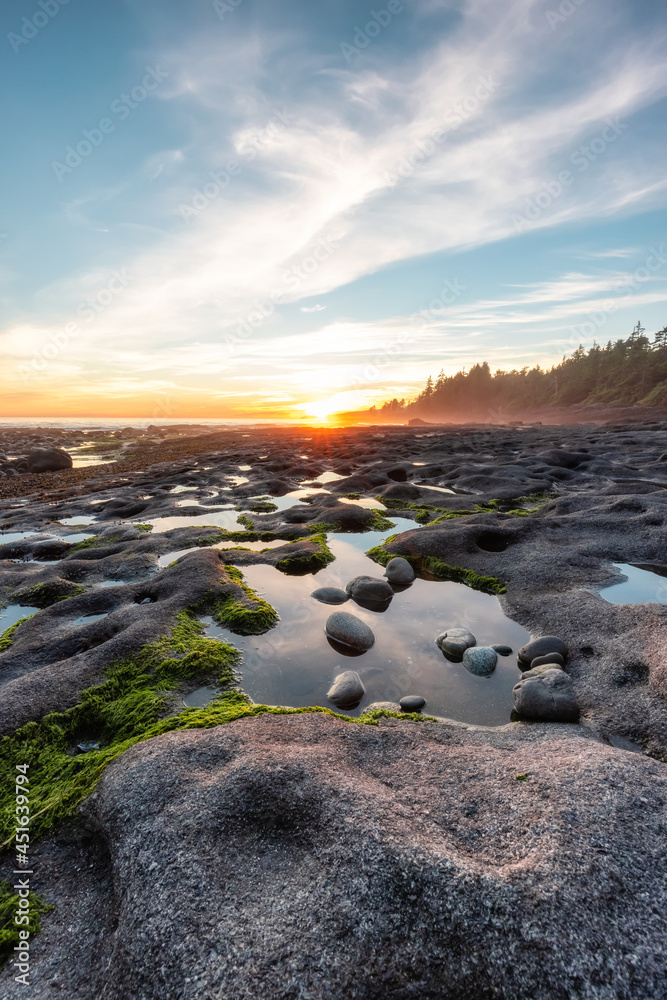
547 695
403 841
347 690
349 630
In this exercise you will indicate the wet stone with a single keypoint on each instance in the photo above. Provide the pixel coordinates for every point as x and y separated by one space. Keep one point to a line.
502 650
554 658
369 588
412 703
540 647
347 690
330 595
480 660
399 571
349 630
546 694
454 642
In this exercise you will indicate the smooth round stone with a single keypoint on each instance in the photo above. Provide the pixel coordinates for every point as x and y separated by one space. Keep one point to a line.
369 588
545 694
347 690
480 660
399 570
383 706
349 630
502 650
540 647
554 658
412 703
455 641
330 595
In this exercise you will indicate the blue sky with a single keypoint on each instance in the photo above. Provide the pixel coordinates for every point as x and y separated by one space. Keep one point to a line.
260 208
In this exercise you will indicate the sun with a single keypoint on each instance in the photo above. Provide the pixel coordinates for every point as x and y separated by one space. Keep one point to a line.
322 409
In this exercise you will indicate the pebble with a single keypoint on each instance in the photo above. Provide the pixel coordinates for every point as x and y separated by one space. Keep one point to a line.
350 630
454 642
540 647
547 658
347 690
383 706
330 595
502 650
369 588
412 703
545 694
480 660
399 570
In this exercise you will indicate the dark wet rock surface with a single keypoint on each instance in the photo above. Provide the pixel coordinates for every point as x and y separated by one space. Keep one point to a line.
521 842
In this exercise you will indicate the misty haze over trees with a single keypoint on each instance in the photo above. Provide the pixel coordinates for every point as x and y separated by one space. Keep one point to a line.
630 372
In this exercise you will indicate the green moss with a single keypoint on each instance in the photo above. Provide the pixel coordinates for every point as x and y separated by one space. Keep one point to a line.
144 527
9 931
126 708
258 506
308 562
424 511
123 711
379 522
244 519
442 570
43 595
96 542
252 616
7 637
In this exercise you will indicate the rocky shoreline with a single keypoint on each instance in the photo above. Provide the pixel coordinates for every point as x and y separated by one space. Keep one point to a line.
302 855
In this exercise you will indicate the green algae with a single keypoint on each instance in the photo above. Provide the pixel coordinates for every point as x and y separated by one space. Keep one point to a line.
307 562
251 616
43 595
7 637
123 711
441 570
9 931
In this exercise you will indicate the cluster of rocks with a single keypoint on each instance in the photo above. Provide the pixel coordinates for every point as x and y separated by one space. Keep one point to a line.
349 633
544 691
36 460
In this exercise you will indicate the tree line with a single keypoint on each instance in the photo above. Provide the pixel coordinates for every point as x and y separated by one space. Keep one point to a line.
631 372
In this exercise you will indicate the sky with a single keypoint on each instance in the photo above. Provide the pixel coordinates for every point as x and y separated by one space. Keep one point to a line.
261 209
